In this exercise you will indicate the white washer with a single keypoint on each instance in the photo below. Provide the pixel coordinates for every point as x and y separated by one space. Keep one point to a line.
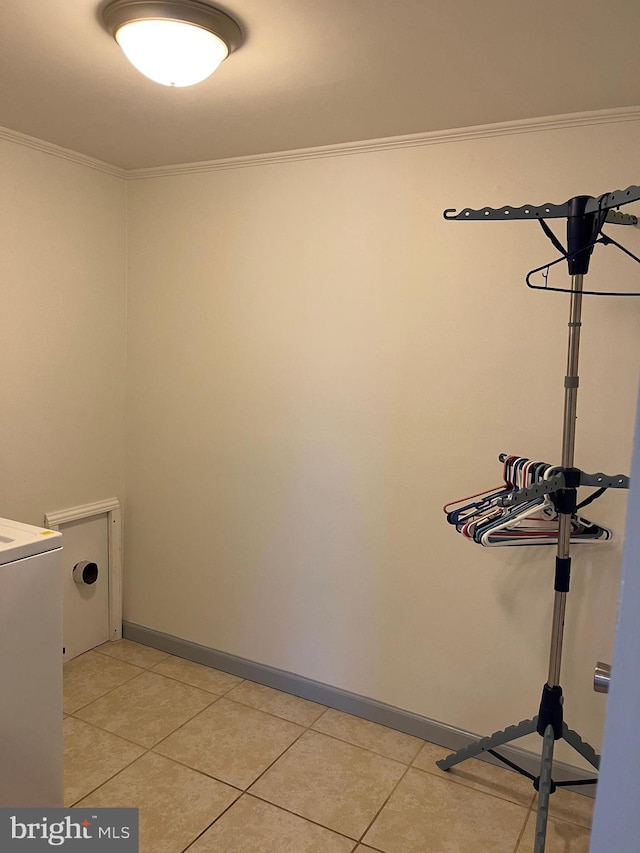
31 747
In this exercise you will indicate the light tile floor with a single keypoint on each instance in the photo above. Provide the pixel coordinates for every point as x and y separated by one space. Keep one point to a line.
217 764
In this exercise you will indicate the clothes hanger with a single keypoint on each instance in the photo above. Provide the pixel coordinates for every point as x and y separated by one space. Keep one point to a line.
469 508
604 239
518 472
538 525
485 519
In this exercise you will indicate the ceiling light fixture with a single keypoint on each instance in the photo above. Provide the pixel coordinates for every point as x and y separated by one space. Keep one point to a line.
173 42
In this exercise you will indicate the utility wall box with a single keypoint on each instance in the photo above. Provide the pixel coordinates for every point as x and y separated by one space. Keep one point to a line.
31 746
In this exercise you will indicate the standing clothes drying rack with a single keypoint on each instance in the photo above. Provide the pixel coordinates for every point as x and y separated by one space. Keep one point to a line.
585 216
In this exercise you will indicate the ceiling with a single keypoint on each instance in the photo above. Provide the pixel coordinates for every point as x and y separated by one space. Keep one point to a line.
315 72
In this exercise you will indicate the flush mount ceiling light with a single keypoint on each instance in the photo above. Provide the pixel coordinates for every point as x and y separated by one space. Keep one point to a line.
173 42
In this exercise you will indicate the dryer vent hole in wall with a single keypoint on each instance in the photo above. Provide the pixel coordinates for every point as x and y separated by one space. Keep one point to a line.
85 572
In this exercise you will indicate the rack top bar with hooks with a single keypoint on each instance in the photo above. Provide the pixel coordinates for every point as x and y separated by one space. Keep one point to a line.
585 216
605 202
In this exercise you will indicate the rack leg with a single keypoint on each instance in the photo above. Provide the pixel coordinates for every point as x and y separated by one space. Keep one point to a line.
544 790
526 727
581 747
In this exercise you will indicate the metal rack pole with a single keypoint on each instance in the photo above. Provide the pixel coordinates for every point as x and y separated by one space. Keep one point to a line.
564 538
568 449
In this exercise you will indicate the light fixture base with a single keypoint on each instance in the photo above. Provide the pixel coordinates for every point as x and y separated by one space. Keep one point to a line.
121 12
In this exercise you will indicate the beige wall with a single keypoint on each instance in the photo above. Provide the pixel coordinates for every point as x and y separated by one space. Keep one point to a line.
62 346
317 363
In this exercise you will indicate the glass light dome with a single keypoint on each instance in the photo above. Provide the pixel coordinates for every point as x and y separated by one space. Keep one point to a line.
173 53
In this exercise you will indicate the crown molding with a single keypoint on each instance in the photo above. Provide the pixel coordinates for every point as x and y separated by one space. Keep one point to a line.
60 152
416 140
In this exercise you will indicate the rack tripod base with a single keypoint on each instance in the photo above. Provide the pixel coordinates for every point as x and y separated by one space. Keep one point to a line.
551 727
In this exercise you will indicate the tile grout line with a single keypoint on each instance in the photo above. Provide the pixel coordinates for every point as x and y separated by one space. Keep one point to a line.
332 737
241 681
270 765
203 690
306 729
93 790
364 707
308 726
377 814
481 791
188 684
244 792
368 748
217 778
113 734
99 650
189 720
182 725
359 746
309 729
110 690
528 809
195 770
524 826
240 791
445 778
263 799
302 817
214 821
569 820
305 726
152 670
269 713
137 743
